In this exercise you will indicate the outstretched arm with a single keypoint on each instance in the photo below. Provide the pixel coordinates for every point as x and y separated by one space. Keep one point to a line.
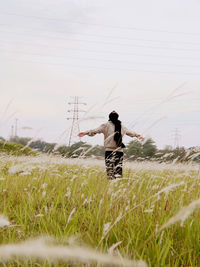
98 130
81 134
133 134
139 136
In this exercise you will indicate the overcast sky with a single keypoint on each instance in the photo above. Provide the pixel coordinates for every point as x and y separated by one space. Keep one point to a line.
140 58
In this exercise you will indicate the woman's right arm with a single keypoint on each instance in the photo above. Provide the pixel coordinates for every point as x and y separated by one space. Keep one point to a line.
98 130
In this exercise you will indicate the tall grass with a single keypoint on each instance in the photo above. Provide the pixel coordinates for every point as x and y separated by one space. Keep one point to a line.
65 198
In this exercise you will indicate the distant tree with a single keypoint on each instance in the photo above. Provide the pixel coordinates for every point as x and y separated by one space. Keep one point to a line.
15 149
63 150
97 151
20 140
193 154
42 146
134 149
81 149
179 153
165 154
149 148
77 145
78 149
36 144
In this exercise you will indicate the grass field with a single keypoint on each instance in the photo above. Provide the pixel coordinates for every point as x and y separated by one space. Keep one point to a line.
73 200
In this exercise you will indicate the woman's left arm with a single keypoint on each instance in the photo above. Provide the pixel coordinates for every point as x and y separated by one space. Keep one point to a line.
132 134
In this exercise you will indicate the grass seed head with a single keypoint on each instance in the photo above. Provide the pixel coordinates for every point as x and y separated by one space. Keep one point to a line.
4 221
45 249
183 214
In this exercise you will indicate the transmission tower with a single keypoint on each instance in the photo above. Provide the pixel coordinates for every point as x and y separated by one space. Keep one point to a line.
177 137
75 117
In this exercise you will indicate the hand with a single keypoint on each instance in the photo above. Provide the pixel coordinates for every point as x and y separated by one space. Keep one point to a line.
140 137
81 134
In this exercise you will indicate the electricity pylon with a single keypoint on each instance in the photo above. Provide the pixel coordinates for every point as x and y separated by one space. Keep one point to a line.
177 137
75 117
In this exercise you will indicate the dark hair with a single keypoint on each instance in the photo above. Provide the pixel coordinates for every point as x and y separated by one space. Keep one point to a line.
113 117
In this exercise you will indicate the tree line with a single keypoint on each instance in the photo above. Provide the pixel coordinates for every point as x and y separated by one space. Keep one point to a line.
135 150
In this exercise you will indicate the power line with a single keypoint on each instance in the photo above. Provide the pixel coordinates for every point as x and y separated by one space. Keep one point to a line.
100 25
120 44
101 59
101 36
97 51
103 68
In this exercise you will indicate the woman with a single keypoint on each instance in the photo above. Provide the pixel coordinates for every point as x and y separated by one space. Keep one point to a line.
113 132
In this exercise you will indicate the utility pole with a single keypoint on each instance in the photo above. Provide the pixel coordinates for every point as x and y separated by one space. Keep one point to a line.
12 131
16 122
75 117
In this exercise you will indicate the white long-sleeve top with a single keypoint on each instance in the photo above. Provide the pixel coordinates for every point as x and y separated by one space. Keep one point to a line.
108 129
